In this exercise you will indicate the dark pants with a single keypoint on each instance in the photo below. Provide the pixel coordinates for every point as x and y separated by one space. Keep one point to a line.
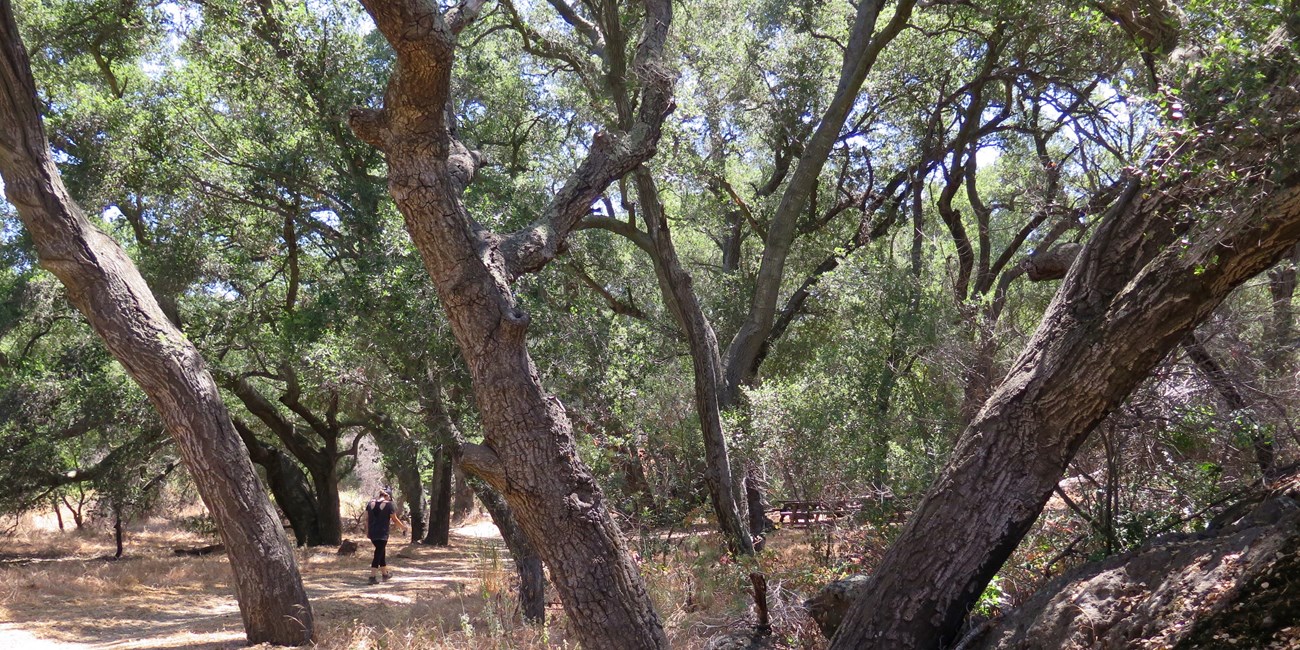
380 560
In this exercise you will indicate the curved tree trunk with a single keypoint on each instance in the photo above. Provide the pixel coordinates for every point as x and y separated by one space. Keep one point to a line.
325 481
707 364
529 453
1155 267
107 288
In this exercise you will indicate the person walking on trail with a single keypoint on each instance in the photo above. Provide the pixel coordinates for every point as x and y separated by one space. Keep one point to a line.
379 514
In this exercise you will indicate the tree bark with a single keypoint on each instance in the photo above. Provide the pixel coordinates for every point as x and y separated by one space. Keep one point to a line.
288 485
325 481
107 288
707 366
529 453
408 480
440 499
528 564
1155 267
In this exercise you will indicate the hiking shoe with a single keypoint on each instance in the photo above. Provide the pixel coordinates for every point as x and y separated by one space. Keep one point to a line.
374 580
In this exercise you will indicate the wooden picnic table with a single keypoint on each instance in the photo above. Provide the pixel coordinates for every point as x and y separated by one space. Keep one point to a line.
802 514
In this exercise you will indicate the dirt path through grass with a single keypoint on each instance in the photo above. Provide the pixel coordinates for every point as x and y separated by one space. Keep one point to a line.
155 600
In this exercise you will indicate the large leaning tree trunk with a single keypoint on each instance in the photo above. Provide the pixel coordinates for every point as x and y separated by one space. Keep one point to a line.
108 289
529 454
1212 209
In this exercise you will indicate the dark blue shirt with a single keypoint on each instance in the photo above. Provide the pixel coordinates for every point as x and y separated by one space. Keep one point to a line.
378 515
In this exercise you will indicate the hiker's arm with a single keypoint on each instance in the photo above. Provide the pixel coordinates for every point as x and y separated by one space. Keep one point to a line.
395 518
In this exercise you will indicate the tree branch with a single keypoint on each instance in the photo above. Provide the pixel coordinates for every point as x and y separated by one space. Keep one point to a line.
609 158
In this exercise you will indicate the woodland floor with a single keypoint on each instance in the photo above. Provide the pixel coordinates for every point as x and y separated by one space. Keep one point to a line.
59 592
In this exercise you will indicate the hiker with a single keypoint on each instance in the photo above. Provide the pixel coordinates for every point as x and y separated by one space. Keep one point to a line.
379 514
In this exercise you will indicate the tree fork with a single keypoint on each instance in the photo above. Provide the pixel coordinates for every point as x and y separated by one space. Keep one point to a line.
529 453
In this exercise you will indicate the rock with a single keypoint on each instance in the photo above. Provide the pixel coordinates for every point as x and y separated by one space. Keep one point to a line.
1228 587
832 602
348 547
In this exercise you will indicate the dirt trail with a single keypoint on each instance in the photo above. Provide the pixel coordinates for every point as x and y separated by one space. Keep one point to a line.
154 600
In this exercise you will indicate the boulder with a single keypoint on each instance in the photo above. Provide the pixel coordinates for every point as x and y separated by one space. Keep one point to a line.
1237 586
830 604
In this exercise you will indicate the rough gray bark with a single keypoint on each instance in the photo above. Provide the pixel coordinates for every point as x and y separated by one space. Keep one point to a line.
1221 588
1155 267
529 453
107 288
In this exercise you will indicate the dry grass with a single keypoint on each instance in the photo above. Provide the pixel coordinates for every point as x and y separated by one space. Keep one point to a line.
55 587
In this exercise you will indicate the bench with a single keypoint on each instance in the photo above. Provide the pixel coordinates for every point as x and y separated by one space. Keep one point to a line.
802 514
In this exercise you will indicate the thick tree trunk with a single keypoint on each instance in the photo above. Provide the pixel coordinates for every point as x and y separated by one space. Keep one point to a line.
529 453
440 499
408 481
1143 282
325 481
108 289
292 493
